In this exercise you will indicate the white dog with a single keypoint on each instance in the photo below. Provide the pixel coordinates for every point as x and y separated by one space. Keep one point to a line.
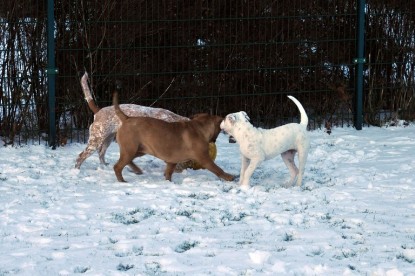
257 145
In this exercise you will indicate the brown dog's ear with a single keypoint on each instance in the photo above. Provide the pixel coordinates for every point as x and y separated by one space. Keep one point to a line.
219 120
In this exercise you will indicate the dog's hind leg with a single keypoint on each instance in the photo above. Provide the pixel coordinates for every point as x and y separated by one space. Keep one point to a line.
94 142
136 169
87 152
118 167
168 172
126 158
103 148
288 157
302 159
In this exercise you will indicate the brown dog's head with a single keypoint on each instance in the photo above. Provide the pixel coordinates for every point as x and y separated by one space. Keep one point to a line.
212 123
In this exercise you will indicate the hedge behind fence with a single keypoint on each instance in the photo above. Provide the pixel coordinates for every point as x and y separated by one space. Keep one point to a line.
205 56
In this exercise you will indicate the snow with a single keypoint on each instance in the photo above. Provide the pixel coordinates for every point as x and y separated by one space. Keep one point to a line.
354 214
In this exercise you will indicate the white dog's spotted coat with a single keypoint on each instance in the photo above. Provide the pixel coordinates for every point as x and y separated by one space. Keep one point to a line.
257 145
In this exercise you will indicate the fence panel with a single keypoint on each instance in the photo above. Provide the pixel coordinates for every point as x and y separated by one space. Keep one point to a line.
23 91
390 53
217 56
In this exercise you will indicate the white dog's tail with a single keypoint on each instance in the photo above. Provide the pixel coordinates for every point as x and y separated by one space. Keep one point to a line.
304 117
87 93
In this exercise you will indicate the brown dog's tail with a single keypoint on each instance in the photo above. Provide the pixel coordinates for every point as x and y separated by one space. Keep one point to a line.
121 115
87 93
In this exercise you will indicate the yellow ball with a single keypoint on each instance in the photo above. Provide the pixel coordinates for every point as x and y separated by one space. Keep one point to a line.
195 166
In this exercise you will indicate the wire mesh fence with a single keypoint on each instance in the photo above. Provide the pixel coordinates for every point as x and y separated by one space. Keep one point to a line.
217 56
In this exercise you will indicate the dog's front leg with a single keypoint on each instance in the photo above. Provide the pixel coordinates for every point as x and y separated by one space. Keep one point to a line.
249 171
244 165
168 172
207 163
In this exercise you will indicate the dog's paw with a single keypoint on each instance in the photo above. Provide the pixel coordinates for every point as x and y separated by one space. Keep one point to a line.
228 177
244 187
244 182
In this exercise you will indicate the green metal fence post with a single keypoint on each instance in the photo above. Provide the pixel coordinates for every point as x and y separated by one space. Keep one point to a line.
359 61
51 72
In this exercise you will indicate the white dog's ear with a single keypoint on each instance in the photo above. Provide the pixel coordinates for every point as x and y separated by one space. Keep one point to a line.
246 116
231 118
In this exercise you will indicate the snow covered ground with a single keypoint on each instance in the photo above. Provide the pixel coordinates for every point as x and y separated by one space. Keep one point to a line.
354 215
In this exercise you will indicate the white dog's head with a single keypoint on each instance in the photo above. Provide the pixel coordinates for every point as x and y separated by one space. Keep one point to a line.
228 124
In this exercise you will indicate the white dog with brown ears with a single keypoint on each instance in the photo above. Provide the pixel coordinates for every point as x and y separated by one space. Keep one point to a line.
257 144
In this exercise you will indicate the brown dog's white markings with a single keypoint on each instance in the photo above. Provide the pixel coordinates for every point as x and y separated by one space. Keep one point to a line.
173 142
257 145
102 131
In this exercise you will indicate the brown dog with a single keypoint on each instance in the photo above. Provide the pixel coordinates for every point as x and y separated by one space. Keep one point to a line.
173 142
